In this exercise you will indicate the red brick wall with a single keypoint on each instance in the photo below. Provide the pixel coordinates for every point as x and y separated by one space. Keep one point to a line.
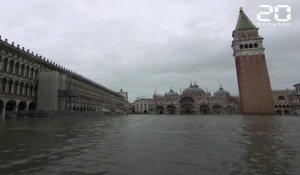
254 85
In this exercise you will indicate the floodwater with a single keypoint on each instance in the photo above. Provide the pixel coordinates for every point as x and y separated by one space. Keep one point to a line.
151 145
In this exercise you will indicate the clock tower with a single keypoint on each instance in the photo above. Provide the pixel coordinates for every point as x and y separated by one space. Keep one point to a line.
252 72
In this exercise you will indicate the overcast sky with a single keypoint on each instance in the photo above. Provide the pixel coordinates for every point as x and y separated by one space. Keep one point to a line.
143 45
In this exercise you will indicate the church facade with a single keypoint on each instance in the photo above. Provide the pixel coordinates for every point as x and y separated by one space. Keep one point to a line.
192 100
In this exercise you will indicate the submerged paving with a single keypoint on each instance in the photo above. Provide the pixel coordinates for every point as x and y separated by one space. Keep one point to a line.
151 144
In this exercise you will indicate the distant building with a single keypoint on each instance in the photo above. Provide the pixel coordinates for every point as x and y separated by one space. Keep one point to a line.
141 106
282 101
252 73
295 100
192 100
30 82
124 94
131 108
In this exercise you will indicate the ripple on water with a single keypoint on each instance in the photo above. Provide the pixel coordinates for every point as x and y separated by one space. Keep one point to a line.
146 144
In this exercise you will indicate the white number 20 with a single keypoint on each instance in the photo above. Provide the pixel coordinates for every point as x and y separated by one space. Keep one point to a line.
275 10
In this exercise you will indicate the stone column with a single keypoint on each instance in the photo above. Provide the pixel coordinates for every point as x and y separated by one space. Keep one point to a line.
26 110
1 64
12 89
16 107
7 66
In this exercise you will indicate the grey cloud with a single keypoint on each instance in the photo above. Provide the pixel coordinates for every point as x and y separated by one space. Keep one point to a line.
140 45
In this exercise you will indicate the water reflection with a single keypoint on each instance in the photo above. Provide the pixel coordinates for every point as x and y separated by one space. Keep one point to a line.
145 144
33 145
266 152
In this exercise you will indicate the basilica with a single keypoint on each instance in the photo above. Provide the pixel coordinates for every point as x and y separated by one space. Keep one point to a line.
192 100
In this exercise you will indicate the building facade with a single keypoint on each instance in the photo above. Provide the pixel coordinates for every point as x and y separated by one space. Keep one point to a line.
295 100
31 82
141 105
282 101
192 100
252 73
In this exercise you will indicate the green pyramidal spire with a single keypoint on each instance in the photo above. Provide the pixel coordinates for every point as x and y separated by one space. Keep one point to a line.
244 23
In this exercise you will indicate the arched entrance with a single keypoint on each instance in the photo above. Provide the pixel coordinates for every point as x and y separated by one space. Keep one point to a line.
287 112
22 106
10 110
171 109
3 84
217 109
11 105
32 106
160 109
21 109
229 109
204 109
187 106
279 112
187 109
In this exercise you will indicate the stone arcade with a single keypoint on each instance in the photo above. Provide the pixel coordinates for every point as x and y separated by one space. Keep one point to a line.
31 82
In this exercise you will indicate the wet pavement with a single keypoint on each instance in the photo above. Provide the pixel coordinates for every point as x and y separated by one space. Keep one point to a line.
151 144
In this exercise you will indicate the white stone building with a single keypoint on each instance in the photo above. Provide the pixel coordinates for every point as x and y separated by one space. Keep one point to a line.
192 100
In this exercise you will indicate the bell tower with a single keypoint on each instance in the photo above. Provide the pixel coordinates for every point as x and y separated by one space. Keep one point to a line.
252 72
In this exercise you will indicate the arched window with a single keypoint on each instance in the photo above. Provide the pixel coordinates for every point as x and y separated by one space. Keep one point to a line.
32 73
23 70
11 66
16 87
21 88
10 86
26 89
255 45
27 71
4 83
17 68
4 66
246 46
241 46
36 74
31 90
250 45
187 100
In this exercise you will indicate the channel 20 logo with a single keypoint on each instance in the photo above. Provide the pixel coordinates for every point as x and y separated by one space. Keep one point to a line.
278 15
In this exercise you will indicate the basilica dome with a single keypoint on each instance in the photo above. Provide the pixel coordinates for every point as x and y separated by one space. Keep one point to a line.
171 94
193 90
221 93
